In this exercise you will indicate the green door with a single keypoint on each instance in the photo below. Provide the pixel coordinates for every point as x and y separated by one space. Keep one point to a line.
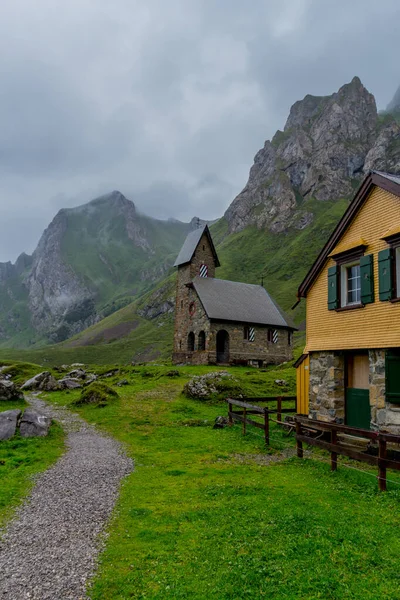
358 412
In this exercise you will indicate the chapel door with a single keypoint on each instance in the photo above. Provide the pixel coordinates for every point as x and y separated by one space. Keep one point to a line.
357 407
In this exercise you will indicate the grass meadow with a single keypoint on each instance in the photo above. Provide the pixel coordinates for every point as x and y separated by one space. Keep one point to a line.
206 515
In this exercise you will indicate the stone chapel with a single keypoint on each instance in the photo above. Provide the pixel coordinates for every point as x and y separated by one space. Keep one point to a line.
219 321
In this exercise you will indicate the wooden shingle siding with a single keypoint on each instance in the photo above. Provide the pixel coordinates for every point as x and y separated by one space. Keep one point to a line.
376 325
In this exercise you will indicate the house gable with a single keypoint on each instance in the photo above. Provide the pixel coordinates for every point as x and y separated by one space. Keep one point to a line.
385 182
373 325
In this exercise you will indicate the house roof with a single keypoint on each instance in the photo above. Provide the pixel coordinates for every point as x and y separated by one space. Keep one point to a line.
190 245
385 181
233 301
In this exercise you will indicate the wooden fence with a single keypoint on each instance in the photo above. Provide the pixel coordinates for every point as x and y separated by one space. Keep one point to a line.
264 412
335 446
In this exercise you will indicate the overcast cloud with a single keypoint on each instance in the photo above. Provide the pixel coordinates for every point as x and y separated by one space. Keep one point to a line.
165 100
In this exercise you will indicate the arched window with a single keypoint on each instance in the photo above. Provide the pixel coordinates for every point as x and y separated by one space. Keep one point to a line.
202 341
191 341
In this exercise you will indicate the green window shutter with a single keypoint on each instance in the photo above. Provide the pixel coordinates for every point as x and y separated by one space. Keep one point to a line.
333 300
393 377
367 278
385 274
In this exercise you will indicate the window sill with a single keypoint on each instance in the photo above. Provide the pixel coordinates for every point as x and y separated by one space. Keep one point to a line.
350 307
394 300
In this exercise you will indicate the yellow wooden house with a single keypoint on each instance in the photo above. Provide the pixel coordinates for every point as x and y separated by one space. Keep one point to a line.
350 370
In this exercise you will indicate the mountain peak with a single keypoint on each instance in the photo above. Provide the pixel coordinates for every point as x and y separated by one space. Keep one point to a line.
326 144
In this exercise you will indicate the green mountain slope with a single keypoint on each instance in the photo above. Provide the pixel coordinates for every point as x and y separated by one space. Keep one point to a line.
143 330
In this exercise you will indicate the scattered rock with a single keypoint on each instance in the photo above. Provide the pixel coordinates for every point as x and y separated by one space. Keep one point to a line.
78 365
110 373
77 374
34 424
221 422
218 382
69 383
9 391
8 423
97 393
281 382
90 377
122 382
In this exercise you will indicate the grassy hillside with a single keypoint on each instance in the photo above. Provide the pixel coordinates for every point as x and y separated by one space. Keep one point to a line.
97 246
281 259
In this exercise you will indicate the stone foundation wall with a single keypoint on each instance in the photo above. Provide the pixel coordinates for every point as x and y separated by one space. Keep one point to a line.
326 401
327 390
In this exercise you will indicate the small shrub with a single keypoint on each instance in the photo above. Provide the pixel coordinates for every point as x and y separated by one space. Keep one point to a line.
173 373
97 394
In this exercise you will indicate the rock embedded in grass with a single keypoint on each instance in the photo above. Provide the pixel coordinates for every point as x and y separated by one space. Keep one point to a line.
216 385
34 424
9 391
8 423
42 381
96 394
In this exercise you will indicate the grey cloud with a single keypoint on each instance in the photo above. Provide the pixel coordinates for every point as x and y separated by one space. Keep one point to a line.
166 101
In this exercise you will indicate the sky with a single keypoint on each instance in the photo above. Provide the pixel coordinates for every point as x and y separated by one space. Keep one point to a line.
166 101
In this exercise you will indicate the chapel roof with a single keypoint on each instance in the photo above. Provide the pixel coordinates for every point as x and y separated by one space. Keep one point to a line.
241 302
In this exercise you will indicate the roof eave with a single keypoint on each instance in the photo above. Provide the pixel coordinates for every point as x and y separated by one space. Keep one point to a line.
371 180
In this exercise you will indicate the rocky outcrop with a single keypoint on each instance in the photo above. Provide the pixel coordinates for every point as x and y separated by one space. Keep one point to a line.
9 391
327 145
8 423
90 261
34 424
394 104
42 381
60 302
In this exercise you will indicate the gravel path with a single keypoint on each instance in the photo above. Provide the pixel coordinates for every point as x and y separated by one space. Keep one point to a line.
50 549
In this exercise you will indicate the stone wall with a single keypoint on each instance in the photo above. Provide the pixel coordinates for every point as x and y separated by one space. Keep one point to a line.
327 386
385 416
327 390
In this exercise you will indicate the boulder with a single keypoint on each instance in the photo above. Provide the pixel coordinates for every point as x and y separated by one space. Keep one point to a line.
69 383
78 365
89 378
34 424
221 422
9 391
77 374
34 382
122 382
42 381
8 423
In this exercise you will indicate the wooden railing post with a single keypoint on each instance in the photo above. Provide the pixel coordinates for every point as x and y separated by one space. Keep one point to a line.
266 426
244 420
299 444
382 465
279 408
333 454
230 419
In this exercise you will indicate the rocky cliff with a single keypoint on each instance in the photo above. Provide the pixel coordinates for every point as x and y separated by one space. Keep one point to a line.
327 145
90 261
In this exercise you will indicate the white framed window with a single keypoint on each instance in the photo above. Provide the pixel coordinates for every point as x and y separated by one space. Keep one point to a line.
350 284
